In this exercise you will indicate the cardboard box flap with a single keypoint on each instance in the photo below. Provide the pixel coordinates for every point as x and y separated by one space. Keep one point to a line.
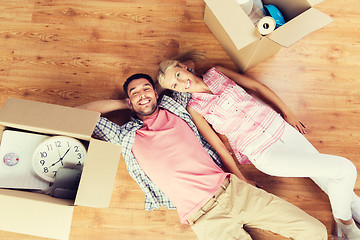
28 215
98 177
314 2
294 30
290 9
48 118
235 22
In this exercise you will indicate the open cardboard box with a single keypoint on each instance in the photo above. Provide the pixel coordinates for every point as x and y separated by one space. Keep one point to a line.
243 42
42 215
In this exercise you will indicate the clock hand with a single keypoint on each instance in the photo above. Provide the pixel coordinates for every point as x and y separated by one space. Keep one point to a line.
60 160
65 154
58 151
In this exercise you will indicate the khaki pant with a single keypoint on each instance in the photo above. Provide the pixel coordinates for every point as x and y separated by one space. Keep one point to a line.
223 217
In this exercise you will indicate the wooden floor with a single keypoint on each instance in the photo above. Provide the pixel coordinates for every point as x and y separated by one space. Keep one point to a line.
72 52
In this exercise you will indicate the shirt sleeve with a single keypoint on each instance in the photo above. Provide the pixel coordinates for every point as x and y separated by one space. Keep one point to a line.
181 97
216 80
107 131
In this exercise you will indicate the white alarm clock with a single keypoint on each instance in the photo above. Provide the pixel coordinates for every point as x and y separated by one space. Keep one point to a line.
56 152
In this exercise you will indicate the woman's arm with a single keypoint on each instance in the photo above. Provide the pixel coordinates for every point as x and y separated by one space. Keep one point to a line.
212 138
105 106
267 94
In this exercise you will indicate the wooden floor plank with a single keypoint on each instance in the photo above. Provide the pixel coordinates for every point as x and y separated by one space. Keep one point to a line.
60 51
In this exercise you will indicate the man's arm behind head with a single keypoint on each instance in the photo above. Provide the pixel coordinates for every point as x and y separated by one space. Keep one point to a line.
105 106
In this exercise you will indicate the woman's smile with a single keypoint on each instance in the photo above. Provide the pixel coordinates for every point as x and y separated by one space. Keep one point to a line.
188 84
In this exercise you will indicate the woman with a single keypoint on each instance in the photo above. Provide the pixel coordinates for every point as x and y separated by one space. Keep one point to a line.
258 134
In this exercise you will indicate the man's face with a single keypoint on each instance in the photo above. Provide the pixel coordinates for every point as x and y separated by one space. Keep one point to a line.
142 98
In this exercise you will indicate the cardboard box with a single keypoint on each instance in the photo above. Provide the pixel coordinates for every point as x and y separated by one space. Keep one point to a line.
242 41
42 215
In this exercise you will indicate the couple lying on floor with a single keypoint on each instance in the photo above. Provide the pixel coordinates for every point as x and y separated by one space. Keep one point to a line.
175 156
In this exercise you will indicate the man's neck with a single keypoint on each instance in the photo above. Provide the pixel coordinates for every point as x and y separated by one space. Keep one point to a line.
143 118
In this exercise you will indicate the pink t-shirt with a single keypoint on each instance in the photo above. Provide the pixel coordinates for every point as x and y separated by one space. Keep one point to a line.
170 154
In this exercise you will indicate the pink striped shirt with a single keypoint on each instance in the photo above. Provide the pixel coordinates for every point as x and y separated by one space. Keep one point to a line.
250 126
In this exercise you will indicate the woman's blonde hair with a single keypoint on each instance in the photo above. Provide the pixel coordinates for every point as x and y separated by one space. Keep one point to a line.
163 68
189 56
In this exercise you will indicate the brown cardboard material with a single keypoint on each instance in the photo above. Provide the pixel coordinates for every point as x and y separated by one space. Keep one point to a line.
98 177
35 214
243 42
42 215
48 118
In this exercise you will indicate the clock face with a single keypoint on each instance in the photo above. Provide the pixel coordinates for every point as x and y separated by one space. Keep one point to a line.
56 152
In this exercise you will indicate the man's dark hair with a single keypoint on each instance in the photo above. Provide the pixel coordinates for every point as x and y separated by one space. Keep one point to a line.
134 77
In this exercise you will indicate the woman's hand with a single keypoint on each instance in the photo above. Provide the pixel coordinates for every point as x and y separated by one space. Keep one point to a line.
295 122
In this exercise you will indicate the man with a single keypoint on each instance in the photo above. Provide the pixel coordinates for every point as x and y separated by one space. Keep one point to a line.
176 167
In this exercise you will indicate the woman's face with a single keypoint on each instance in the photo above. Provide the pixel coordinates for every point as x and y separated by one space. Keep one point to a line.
180 79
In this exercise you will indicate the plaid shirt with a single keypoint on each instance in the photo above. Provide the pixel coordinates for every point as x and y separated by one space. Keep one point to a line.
125 136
